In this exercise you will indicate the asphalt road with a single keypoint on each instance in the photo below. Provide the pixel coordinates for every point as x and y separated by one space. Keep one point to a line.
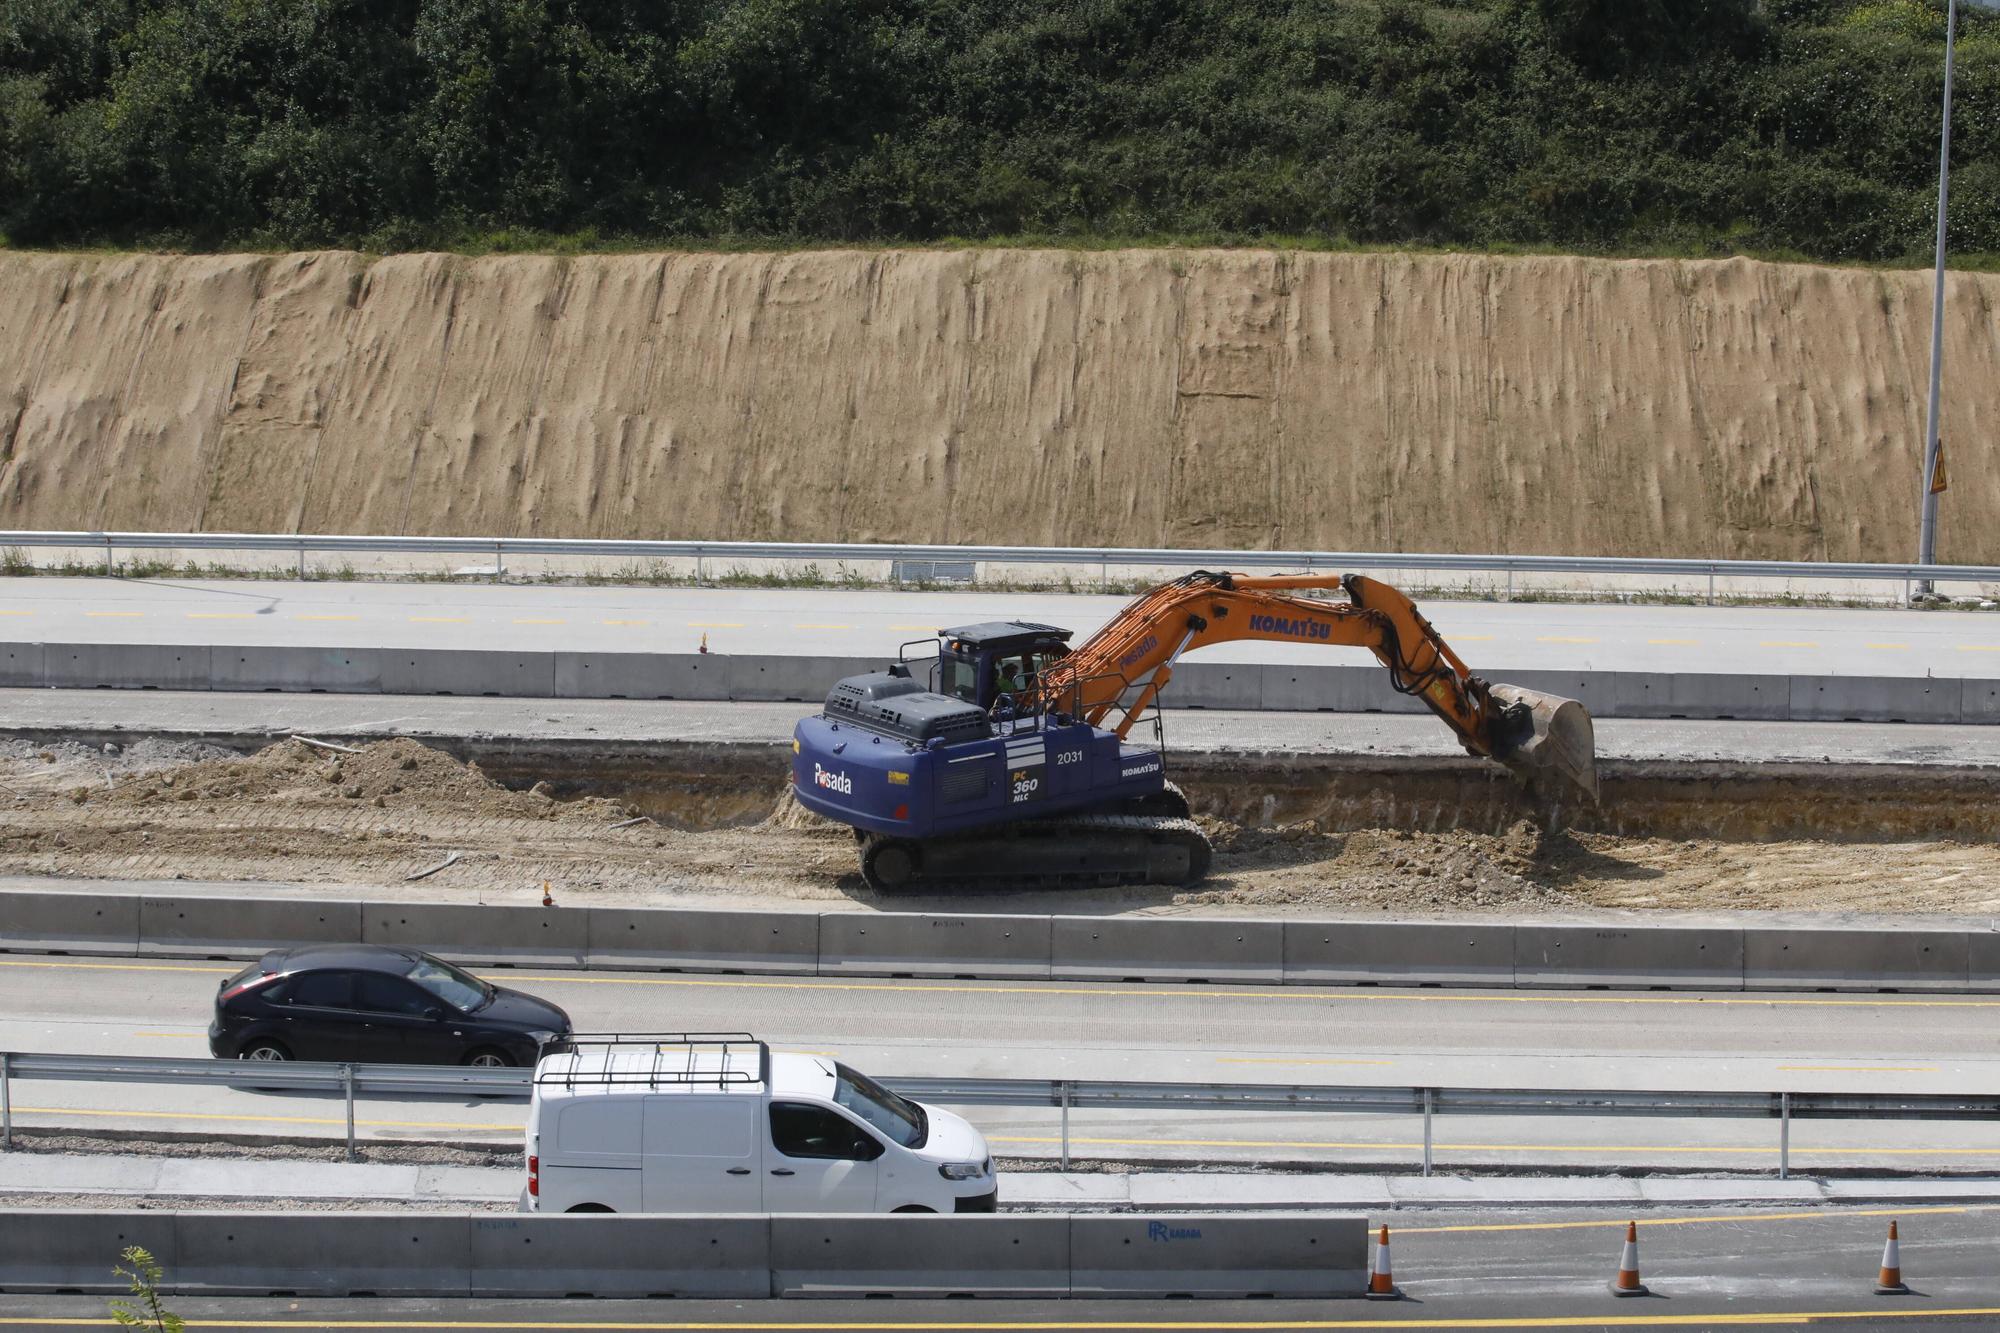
1649 1040
1493 637
1714 1270
44 713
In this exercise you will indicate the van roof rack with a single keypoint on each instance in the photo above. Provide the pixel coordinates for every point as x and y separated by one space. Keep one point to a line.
676 1059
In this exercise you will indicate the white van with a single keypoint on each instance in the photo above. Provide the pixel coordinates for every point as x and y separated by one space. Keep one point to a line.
715 1123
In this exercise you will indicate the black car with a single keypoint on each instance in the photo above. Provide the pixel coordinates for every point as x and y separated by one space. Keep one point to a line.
365 1002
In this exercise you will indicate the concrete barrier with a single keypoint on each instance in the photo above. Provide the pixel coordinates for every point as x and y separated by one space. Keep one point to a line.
69 922
308 669
1659 956
909 1255
1875 699
66 1249
242 927
1979 701
699 941
1716 695
468 671
1806 958
127 666
635 1258
642 675
1084 948
476 934
805 680
1982 960
911 944
1398 953
322 1254
23 665
1237 685
1218 1255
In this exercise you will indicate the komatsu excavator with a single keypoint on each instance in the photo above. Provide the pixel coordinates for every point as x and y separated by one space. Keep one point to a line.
1009 765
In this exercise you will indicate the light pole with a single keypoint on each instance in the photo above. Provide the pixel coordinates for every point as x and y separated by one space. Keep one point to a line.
1927 521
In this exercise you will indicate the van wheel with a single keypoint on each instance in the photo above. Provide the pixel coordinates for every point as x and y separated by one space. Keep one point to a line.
589 1208
913 1208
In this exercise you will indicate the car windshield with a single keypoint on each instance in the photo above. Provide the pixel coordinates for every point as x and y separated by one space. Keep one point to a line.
460 990
898 1117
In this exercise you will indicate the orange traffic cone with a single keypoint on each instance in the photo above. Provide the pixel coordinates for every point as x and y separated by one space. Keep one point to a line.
1382 1282
548 899
1627 1282
1889 1282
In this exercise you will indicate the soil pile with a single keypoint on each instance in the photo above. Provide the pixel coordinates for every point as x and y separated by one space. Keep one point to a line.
1146 398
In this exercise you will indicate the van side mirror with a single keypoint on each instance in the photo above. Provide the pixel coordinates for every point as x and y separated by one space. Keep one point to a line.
866 1148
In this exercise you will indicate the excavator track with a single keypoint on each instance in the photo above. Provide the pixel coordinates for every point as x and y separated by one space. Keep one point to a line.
1064 852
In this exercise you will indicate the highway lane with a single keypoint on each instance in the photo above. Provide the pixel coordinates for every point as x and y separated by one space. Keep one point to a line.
364 716
1648 1040
1494 637
1716 1269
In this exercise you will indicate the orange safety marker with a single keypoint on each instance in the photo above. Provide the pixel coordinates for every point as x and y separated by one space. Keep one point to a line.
1381 1282
1627 1282
548 899
1889 1282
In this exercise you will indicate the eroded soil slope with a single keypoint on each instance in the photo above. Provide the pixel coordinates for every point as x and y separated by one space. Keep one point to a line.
1146 398
293 812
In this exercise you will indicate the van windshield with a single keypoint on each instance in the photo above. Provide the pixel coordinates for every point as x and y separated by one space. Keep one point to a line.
898 1117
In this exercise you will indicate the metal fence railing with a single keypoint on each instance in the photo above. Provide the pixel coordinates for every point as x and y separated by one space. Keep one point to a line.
850 553
350 1081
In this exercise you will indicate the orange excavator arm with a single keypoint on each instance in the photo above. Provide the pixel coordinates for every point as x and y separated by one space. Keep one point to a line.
1125 665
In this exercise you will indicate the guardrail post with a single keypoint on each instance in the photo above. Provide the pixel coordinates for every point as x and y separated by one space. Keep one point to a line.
1784 1136
1428 1107
110 565
1065 1124
1508 596
347 1086
6 1106
302 562
1711 585
499 563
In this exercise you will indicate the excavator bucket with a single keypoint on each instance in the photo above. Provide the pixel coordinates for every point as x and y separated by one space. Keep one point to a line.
1562 744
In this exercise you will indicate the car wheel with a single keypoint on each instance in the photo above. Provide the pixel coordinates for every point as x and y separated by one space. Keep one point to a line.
488 1058
913 1208
589 1208
265 1049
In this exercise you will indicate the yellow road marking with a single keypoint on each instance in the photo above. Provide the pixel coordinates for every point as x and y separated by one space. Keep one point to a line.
440 620
1812 1215
1891 647
1685 643
1787 643
326 617
1558 638
1979 647
1275 1060
1139 992
16 613
220 615
628 622
530 621
1861 1069
1345 1145
341 1121
124 615
1736 1319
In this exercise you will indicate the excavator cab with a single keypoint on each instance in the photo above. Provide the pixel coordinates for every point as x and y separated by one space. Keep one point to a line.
1000 660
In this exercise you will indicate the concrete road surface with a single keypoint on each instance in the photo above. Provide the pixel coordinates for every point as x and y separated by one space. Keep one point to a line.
1648 1040
1717 1269
198 713
1493 637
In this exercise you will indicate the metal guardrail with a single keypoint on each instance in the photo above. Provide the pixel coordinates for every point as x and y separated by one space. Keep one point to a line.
355 1080
1103 556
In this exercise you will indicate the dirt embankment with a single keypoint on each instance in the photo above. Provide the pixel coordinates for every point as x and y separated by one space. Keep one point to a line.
1288 837
1135 398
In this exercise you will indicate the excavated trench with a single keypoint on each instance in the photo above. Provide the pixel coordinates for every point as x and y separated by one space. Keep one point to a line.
688 822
